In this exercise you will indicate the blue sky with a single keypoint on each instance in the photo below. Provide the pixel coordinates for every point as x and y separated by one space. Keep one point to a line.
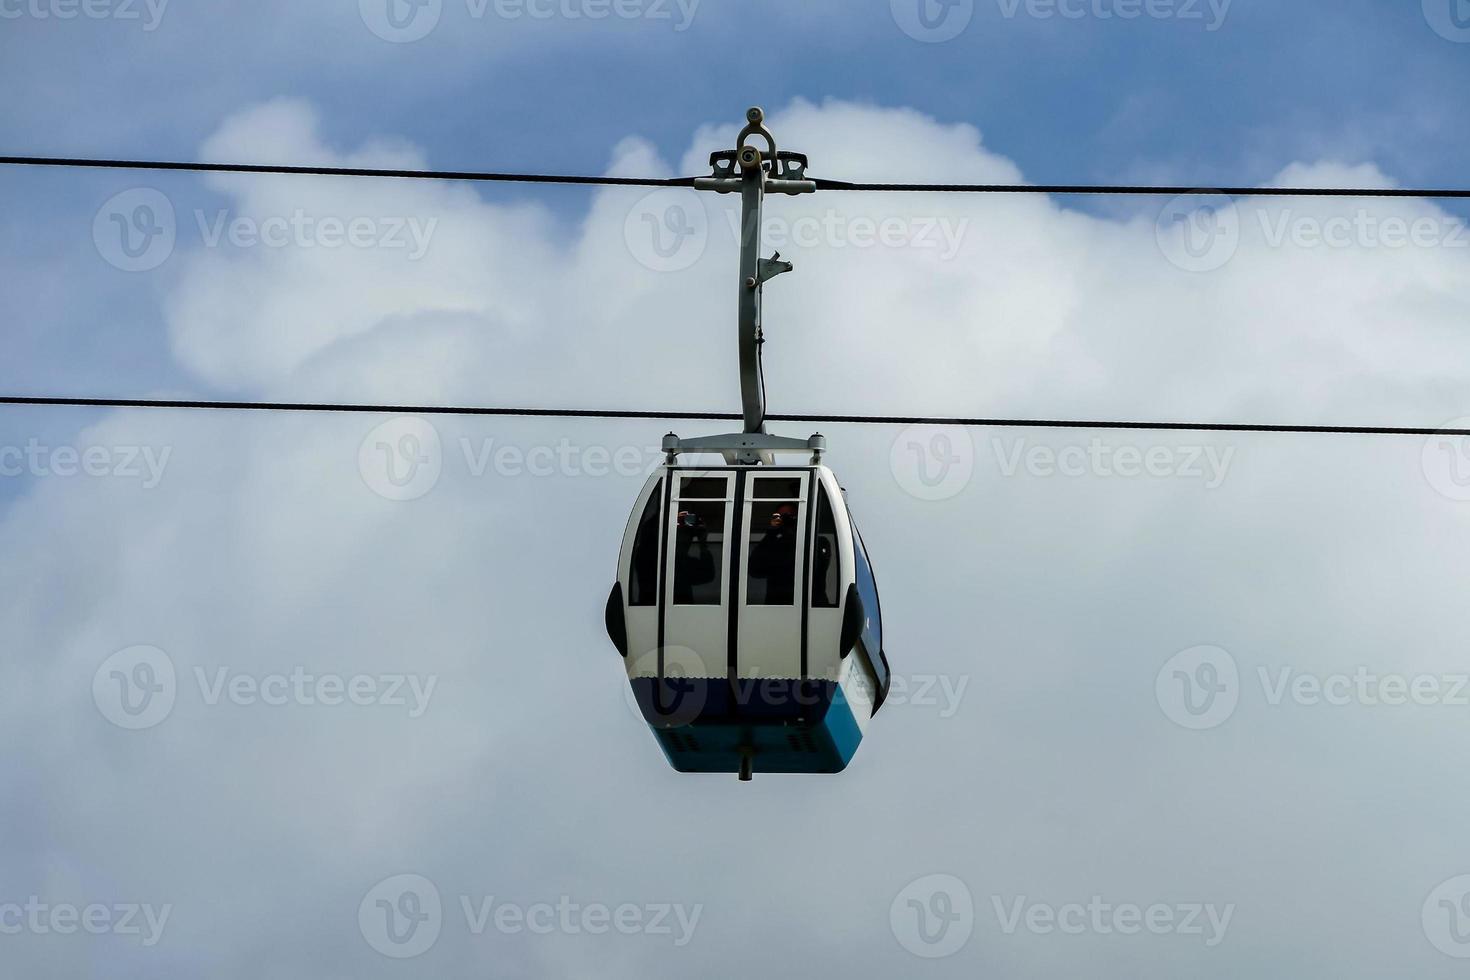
1088 99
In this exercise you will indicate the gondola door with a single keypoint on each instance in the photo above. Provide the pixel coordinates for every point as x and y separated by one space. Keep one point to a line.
695 632
772 575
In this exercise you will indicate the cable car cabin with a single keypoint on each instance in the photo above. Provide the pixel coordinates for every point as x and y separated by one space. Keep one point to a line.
747 616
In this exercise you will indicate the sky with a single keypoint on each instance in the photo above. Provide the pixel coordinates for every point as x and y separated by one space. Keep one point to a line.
1165 703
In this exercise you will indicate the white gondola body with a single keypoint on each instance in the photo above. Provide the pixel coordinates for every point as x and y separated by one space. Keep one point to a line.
747 615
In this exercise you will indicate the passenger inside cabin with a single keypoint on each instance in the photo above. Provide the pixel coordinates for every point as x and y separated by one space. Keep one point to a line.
695 564
773 559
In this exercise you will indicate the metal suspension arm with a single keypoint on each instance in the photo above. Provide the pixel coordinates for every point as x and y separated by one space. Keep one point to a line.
775 171
752 376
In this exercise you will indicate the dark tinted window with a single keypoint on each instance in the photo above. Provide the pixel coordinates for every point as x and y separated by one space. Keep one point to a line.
774 533
704 488
824 556
699 552
643 575
777 488
868 589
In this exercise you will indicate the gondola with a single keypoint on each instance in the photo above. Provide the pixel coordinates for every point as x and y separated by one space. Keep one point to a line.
745 607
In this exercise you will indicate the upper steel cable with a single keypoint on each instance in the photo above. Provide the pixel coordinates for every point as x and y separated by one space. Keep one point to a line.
821 184
636 414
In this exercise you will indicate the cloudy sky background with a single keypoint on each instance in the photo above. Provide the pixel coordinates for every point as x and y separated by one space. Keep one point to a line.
1030 608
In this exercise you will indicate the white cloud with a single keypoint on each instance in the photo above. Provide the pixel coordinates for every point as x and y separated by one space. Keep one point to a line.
263 549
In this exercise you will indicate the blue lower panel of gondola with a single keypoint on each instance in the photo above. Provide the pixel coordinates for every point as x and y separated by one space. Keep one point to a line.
709 725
